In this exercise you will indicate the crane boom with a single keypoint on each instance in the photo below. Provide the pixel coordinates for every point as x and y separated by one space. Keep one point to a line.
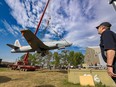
41 17
27 54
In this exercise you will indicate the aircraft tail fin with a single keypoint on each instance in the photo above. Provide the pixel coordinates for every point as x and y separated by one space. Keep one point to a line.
17 43
15 46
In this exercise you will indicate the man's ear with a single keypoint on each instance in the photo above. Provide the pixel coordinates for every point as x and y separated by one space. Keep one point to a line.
103 27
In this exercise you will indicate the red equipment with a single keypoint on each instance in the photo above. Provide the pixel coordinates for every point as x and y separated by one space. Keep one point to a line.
24 65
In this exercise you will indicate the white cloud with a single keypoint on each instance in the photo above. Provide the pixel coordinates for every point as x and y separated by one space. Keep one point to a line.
11 29
78 17
46 38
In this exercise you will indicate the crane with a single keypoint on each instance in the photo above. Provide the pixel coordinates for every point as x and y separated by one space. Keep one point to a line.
25 65
27 54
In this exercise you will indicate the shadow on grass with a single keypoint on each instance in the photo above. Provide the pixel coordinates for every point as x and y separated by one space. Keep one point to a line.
45 86
4 79
68 84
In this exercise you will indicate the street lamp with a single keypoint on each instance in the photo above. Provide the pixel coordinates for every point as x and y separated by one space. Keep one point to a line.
113 2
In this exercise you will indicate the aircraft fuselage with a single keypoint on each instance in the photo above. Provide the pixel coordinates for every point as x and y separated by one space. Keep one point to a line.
50 45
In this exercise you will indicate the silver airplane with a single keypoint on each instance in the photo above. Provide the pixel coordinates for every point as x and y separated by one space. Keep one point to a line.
36 45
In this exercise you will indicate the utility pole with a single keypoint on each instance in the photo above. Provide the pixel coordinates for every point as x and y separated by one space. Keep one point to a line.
113 2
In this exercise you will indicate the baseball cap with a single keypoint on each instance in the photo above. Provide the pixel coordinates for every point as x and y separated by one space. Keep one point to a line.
107 24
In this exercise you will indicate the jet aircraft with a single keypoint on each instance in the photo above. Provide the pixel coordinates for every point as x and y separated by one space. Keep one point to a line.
36 45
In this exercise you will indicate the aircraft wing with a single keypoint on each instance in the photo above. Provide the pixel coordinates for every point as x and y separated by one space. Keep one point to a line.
33 41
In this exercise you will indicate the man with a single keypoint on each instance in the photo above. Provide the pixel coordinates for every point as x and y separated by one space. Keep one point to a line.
108 47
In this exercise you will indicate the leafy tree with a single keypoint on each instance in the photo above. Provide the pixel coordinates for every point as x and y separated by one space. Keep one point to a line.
57 59
70 57
49 56
38 58
75 61
31 59
78 58
65 56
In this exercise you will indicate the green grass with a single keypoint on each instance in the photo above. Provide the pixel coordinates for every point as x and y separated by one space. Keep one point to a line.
3 69
49 79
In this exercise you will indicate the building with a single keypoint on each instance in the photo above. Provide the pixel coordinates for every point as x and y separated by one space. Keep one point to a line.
93 56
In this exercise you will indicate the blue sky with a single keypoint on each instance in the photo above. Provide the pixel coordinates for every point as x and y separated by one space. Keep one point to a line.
74 20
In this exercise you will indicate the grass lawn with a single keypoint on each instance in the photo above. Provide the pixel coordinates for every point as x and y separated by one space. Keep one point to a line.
40 78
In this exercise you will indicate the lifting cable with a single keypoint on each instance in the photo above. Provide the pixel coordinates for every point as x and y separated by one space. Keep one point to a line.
60 37
47 25
48 22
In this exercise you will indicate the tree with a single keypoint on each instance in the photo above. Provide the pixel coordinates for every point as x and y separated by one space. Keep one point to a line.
70 57
78 58
38 58
65 56
32 59
49 56
57 59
